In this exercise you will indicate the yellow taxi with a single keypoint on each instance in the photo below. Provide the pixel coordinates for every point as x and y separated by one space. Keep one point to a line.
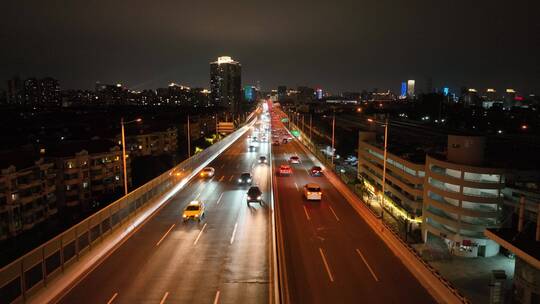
195 210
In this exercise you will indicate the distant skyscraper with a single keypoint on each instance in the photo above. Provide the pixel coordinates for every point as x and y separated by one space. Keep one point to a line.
446 91
403 89
319 93
250 93
410 88
281 92
226 83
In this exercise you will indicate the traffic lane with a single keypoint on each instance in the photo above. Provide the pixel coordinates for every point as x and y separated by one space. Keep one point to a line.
305 270
345 233
131 255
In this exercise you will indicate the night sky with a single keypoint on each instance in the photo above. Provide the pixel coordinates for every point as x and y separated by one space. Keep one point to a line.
336 45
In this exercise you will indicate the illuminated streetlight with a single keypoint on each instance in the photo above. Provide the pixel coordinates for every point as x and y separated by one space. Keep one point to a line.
384 161
122 124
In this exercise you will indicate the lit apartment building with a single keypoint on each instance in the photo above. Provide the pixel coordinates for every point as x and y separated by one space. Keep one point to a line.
27 193
456 197
404 177
462 198
88 172
152 143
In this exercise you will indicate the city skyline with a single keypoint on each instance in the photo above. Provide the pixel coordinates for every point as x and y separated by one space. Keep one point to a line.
472 49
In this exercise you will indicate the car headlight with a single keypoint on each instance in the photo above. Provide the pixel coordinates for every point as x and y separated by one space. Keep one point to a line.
184 216
249 180
196 215
239 180
259 197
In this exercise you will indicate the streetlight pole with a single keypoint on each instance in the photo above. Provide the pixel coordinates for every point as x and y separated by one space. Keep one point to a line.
310 125
333 133
384 166
188 138
124 165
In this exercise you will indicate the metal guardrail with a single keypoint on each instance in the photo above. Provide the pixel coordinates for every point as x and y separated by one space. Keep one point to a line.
26 275
313 149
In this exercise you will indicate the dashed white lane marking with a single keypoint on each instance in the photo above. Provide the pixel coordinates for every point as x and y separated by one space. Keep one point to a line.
219 199
330 276
307 214
112 298
369 267
296 185
216 298
234 232
199 235
163 237
221 178
164 298
333 212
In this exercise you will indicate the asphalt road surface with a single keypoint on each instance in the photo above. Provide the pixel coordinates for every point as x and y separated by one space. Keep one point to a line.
222 259
331 254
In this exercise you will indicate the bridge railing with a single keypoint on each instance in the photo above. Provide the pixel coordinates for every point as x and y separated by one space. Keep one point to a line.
23 277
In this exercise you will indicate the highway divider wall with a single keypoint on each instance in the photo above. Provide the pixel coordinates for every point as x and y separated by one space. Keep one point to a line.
30 273
440 288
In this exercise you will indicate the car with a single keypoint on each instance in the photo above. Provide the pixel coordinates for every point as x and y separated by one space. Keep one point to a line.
294 159
254 139
315 171
254 195
194 210
208 172
275 143
262 159
312 192
285 170
252 148
245 178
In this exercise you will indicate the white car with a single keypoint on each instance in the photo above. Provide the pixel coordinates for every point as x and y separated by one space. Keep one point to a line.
294 159
208 172
312 192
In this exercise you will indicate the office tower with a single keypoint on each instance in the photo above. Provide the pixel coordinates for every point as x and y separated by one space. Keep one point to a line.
410 88
226 83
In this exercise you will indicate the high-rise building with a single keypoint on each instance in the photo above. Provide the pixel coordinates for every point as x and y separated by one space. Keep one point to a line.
403 89
226 83
410 88
282 92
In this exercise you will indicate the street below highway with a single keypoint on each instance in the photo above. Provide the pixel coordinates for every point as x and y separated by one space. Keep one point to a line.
222 259
331 254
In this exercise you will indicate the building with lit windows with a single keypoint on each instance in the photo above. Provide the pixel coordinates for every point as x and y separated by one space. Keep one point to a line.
151 142
27 192
453 198
226 83
462 198
410 88
404 177
89 173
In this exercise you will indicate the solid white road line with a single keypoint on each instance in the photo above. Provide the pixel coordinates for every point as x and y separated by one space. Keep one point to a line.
369 267
216 299
335 215
164 298
296 185
219 199
307 214
199 235
326 266
163 237
198 195
112 298
234 232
